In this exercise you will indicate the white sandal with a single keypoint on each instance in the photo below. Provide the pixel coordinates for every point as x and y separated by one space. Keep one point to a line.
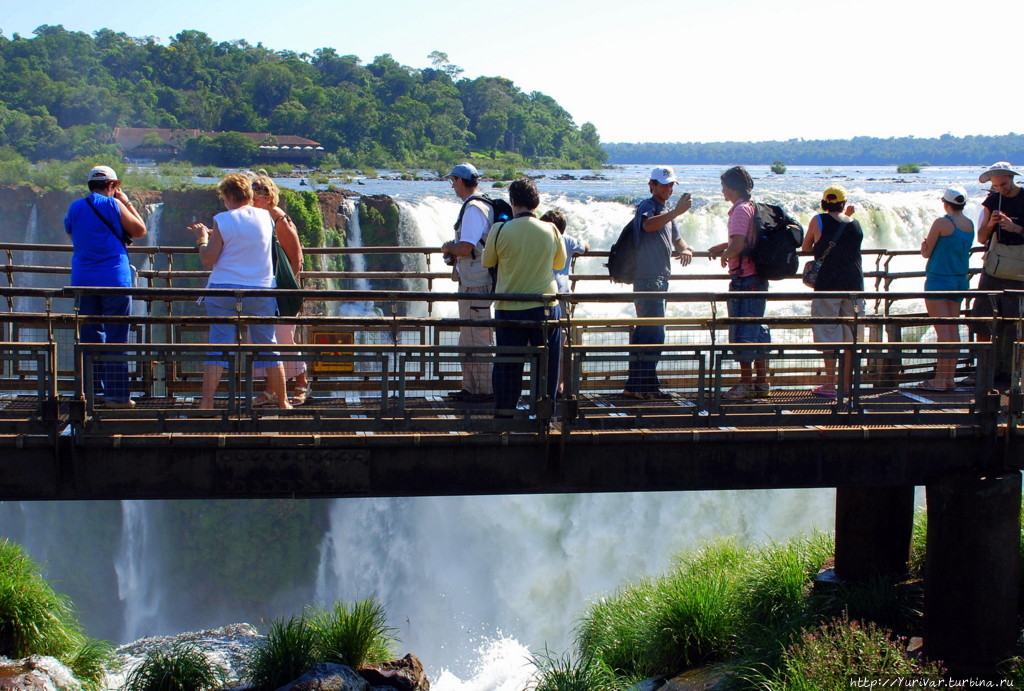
264 399
301 394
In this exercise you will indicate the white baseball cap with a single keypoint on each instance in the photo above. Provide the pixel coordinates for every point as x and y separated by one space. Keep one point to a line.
663 175
102 174
955 195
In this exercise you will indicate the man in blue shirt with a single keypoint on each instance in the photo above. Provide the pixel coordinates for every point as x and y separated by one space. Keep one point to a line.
657 241
100 226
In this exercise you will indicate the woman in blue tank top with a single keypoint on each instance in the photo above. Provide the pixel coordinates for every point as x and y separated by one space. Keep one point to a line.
947 249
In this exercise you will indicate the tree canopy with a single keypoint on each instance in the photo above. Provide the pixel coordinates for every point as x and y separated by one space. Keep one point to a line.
61 93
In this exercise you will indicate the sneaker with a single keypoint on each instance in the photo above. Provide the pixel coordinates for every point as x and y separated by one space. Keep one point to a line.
739 392
762 388
120 404
460 395
658 395
477 398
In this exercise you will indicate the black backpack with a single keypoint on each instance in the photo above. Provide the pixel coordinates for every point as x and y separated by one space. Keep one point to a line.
502 213
622 256
502 209
777 239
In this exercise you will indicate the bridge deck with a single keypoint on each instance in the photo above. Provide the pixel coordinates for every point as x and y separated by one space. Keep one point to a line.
381 422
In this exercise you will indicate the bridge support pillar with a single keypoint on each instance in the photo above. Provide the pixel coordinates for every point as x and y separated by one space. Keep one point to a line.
972 570
874 526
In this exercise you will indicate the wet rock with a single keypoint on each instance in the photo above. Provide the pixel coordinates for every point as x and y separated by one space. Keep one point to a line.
36 673
701 679
402 675
328 677
227 647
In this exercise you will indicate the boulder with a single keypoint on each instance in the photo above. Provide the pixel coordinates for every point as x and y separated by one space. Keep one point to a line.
36 673
700 679
402 675
328 677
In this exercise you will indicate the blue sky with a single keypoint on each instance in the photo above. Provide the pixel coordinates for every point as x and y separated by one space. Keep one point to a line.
654 71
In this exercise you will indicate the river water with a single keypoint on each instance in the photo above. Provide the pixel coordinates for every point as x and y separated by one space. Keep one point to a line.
474 584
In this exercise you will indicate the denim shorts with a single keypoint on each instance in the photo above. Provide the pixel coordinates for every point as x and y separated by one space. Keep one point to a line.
251 307
748 307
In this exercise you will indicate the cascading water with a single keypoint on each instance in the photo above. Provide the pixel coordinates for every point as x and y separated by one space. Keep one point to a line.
459 573
138 572
153 214
31 258
145 262
355 263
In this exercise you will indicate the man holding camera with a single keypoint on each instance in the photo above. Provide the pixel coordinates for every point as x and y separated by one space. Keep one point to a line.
101 227
465 252
1001 230
657 242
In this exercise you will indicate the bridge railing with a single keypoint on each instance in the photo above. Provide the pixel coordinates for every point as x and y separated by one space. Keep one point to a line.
386 370
421 268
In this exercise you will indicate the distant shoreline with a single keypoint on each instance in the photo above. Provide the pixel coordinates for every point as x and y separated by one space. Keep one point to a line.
946 150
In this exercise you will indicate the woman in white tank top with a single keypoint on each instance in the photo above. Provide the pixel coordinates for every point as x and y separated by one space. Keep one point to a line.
237 250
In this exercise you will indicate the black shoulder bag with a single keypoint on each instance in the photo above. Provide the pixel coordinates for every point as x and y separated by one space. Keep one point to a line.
123 237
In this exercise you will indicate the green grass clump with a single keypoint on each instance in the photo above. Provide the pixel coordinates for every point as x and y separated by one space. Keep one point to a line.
824 658
287 653
353 634
182 668
724 602
567 673
35 620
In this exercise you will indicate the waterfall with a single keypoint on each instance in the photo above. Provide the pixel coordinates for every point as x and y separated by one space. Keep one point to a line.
29 280
153 214
137 567
146 261
356 263
457 574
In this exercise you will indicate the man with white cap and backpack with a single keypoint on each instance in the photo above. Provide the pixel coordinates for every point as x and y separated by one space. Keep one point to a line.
1001 230
465 252
657 240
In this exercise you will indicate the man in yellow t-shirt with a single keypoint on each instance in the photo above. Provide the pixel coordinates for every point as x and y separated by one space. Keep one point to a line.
526 250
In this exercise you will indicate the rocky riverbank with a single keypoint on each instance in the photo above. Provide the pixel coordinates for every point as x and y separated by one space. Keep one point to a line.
228 647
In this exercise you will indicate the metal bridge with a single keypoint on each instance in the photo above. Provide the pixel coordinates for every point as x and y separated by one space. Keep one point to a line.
380 421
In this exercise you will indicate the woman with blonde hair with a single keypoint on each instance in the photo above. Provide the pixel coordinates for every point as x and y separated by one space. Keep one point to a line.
266 196
237 249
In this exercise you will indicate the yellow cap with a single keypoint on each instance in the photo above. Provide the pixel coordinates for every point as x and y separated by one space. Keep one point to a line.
834 193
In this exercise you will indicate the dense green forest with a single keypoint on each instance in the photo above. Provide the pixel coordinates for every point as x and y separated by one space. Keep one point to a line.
864 151
62 92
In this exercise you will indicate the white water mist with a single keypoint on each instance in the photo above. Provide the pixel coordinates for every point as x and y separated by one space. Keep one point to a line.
138 571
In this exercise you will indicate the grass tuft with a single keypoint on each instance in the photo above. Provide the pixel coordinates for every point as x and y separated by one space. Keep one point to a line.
824 658
571 673
35 620
353 634
288 652
184 667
